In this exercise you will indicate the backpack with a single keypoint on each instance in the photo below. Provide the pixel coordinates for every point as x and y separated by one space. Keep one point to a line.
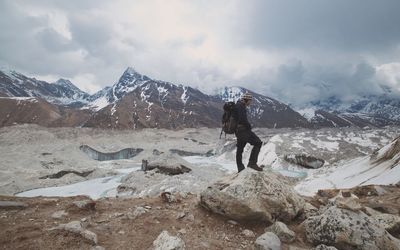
229 123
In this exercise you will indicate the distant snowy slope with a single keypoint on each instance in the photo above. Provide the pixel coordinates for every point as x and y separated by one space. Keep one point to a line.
383 168
62 92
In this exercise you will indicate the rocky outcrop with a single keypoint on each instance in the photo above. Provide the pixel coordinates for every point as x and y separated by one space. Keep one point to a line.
167 242
346 229
168 164
306 161
252 195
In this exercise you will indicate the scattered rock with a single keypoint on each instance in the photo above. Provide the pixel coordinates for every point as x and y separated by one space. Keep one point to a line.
190 217
102 221
117 215
346 229
85 204
267 241
98 248
248 233
251 196
89 235
166 242
283 232
8 205
303 160
297 248
379 190
76 227
59 214
157 152
182 231
232 222
325 247
205 244
328 193
168 197
138 211
180 215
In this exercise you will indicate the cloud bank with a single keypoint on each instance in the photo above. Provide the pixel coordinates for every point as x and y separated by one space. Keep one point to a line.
294 51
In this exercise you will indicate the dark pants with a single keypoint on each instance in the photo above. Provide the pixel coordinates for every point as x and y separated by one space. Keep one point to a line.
244 137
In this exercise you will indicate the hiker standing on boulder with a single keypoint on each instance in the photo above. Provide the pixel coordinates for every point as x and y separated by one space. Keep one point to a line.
244 134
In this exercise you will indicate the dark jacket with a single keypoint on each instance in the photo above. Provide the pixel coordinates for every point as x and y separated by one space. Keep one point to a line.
240 115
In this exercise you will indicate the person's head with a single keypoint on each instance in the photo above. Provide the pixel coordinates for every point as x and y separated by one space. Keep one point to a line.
246 98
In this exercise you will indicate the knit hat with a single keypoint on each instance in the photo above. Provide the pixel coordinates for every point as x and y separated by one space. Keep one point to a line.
246 96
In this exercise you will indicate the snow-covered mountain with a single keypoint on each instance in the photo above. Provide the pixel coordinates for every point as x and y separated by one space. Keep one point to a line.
62 92
372 110
137 101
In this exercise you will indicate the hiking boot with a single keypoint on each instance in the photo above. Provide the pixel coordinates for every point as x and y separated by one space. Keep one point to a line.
254 166
240 168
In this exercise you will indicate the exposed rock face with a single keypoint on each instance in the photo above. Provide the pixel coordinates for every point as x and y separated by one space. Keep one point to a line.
346 229
126 153
282 231
306 161
267 241
167 242
389 153
252 195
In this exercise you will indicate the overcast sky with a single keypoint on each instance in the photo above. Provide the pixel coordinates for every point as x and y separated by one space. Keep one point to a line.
296 51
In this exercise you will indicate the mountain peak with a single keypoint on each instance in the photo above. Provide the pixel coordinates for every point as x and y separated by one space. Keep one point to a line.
131 75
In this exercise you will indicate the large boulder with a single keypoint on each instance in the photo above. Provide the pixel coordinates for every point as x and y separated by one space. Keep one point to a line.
303 160
346 229
253 195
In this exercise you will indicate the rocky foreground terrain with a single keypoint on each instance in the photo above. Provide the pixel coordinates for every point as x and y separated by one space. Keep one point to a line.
368 219
163 199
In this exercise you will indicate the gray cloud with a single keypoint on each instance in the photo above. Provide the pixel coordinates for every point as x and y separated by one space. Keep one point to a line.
294 51
357 25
